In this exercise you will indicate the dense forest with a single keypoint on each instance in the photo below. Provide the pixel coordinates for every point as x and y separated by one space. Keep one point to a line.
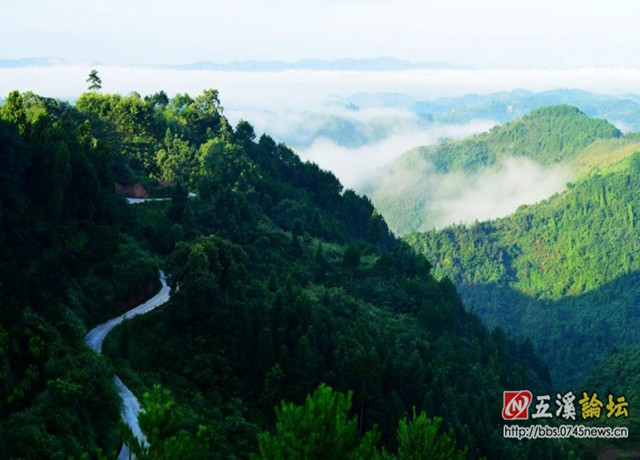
68 260
547 135
563 273
292 299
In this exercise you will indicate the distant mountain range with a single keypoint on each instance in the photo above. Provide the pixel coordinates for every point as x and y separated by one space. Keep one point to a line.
501 107
367 65
347 120
371 64
41 62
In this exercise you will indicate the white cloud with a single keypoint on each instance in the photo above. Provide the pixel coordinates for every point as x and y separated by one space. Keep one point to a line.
465 198
303 89
358 167
436 200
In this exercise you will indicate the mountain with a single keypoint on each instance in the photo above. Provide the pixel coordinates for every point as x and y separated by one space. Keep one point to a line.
42 62
548 136
506 106
558 142
365 119
30 62
281 281
623 111
562 273
349 64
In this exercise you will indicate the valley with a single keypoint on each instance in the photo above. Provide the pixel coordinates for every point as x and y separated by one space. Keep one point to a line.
561 273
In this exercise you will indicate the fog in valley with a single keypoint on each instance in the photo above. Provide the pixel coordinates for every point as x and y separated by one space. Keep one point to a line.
439 200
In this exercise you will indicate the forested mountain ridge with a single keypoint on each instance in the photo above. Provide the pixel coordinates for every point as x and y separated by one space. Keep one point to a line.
562 272
547 135
285 281
559 139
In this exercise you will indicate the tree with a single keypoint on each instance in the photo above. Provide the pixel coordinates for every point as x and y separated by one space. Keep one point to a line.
159 99
351 259
419 438
160 422
177 160
319 429
95 83
245 135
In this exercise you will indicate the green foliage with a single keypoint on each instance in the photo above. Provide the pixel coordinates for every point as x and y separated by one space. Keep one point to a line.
95 82
63 403
160 421
224 165
61 231
544 268
321 428
419 438
177 160
619 374
281 280
547 136
260 323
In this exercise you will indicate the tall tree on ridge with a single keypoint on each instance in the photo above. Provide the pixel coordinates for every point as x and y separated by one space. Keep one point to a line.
95 82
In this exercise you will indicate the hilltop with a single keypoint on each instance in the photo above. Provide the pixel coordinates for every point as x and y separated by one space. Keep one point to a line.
559 142
548 135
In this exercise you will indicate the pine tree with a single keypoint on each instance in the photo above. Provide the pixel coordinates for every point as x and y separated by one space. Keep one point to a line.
95 83
320 429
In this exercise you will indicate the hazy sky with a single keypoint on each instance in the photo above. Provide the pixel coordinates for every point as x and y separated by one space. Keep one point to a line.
489 33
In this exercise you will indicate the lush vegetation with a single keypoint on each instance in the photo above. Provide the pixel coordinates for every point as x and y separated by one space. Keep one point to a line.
69 259
322 428
562 273
282 281
287 281
549 136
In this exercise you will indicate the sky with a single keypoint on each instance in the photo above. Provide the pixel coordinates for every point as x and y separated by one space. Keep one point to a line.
489 33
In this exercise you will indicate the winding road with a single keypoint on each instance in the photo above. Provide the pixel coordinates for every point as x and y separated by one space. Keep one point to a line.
95 337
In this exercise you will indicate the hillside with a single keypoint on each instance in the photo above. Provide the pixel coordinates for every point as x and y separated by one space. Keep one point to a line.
282 281
286 281
551 145
562 273
618 375
547 135
69 258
